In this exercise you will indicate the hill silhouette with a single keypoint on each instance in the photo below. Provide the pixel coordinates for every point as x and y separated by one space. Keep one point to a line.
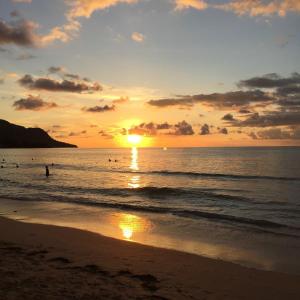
15 136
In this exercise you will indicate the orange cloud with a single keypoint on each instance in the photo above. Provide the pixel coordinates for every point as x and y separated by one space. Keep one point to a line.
137 37
85 8
255 8
197 4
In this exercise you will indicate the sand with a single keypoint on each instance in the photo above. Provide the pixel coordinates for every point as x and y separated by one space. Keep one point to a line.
51 262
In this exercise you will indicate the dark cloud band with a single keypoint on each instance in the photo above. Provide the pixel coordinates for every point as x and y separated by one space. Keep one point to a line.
33 103
53 85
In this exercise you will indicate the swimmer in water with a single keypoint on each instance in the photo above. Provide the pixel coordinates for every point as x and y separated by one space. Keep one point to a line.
47 171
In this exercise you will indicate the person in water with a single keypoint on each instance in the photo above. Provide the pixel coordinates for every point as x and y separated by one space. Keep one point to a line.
47 171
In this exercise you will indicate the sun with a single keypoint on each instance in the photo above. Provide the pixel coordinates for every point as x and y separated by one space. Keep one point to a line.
134 139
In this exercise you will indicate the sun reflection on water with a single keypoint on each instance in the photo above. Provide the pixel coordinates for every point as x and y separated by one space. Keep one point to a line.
134 181
134 165
131 225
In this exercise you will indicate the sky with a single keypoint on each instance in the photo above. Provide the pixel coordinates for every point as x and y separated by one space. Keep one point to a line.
176 72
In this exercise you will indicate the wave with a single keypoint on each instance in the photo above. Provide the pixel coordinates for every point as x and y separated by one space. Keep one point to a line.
151 192
220 175
186 213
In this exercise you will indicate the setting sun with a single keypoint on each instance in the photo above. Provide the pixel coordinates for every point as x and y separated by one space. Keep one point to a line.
134 139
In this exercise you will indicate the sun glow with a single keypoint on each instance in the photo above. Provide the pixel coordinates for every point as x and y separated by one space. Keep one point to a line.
134 139
127 233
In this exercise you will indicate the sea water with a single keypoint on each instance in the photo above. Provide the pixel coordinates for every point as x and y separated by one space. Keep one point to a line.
235 204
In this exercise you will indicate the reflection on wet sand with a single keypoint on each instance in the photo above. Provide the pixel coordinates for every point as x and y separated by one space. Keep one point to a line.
155 230
130 225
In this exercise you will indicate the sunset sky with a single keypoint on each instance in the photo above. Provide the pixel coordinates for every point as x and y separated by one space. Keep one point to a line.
177 72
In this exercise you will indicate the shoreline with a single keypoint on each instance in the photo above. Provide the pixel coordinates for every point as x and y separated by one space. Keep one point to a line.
261 252
58 260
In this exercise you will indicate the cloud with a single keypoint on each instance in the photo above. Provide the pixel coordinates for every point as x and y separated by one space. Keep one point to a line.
22 1
285 90
163 126
54 70
277 134
2 80
72 133
33 103
15 14
275 118
291 103
180 128
53 85
84 8
283 94
196 4
183 128
245 111
121 100
25 56
96 109
184 102
219 100
228 117
223 130
138 37
72 76
152 129
251 8
253 135
272 80
105 134
62 72
289 90
63 33
20 33
256 8
76 10
204 130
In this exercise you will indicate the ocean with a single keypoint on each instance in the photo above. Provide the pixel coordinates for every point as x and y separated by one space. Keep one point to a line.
235 204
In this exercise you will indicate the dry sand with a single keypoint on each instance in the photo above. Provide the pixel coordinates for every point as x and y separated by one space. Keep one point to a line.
49 262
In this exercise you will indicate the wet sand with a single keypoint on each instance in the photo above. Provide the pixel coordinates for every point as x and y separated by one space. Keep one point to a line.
51 262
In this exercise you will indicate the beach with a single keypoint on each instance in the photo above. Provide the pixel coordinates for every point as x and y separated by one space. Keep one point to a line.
52 262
